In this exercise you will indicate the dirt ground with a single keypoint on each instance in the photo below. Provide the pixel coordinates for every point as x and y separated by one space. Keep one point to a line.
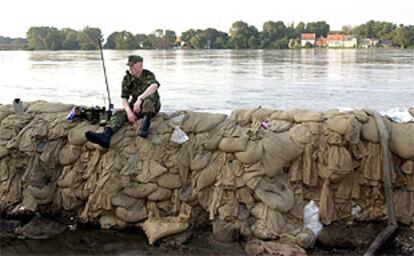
337 239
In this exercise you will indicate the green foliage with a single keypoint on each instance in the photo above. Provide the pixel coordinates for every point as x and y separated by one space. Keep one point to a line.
122 41
240 33
320 28
401 36
274 35
88 38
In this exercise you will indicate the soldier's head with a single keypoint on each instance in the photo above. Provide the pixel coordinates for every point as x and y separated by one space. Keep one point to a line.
135 63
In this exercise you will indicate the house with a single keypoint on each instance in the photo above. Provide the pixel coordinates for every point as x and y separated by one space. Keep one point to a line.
321 42
384 43
336 41
307 38
350 42
365 43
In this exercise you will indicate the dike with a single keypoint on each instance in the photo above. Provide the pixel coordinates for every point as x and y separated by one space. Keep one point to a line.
247 175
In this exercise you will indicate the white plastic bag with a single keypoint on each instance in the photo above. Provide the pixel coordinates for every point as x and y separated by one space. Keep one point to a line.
178 136
311 218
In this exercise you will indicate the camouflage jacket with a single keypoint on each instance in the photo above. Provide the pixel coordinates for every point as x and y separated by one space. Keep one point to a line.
133 87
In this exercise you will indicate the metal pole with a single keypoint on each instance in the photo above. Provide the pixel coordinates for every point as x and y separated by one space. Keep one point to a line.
106 79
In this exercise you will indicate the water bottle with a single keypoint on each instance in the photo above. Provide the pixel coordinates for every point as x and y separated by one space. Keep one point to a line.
18 106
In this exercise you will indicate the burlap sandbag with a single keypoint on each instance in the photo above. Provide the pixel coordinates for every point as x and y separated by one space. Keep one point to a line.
275 194
156 228
207 176
170 181
273 219
69 154
160 194
111 221
200 161
307 116
404 206
49 107
198 122
402 140
242 116
252 154
150 170
408 167
233 144
347 126
76 135
261 114
279 126
135 214
139 190
124 201
45 193
279 150
282 115
369 131
326 204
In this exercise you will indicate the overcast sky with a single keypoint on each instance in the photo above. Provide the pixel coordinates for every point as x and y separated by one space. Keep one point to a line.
145 16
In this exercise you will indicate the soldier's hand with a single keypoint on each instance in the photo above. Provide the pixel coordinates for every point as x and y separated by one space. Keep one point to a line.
137 106
131 116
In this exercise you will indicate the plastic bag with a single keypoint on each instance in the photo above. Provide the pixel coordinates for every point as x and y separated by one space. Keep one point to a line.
179 136
311 218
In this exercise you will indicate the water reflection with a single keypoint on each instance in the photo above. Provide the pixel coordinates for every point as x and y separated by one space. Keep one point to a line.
220 80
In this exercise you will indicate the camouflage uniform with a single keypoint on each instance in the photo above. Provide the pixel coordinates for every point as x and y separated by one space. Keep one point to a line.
132 88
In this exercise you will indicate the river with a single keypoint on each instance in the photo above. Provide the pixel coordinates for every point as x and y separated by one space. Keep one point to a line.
219 80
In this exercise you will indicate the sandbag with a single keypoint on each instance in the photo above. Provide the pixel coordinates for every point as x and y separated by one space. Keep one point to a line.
198 122
275 194
69 154
140 190
170 181
76 135
135 214
150 170
257 247
49 107
369 131
252 154
233 144
307 116
279 150
402 140
273 219
157 228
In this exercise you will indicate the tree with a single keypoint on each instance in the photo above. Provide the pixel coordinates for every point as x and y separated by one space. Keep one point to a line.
37 37
273 31
401 36
240 33
199 41
320 28
300 28
171 38
88 38
70 39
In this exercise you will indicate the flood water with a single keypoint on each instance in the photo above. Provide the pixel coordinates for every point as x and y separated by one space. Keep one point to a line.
219 80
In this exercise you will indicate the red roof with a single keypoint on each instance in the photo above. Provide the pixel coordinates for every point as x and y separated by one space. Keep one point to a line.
308 36
336 37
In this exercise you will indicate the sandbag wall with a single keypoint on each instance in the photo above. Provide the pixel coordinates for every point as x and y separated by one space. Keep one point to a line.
250 173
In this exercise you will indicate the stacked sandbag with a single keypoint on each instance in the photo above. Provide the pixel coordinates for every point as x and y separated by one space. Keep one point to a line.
249 174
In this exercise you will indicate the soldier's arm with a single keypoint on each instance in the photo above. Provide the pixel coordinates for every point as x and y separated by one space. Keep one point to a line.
149 91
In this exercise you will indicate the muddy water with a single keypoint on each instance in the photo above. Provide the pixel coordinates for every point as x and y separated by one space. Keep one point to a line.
220 80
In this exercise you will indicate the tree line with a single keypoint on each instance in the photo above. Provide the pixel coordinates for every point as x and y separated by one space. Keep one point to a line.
273 35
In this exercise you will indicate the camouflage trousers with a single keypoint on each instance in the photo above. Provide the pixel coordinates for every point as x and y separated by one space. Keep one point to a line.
148 107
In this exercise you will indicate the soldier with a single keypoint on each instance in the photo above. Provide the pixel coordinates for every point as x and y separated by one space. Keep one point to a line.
141 88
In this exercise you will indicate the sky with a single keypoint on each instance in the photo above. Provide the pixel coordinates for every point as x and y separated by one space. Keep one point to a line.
16 17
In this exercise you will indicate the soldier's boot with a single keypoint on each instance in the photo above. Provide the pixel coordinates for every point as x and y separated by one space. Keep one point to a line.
103 139
146 123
